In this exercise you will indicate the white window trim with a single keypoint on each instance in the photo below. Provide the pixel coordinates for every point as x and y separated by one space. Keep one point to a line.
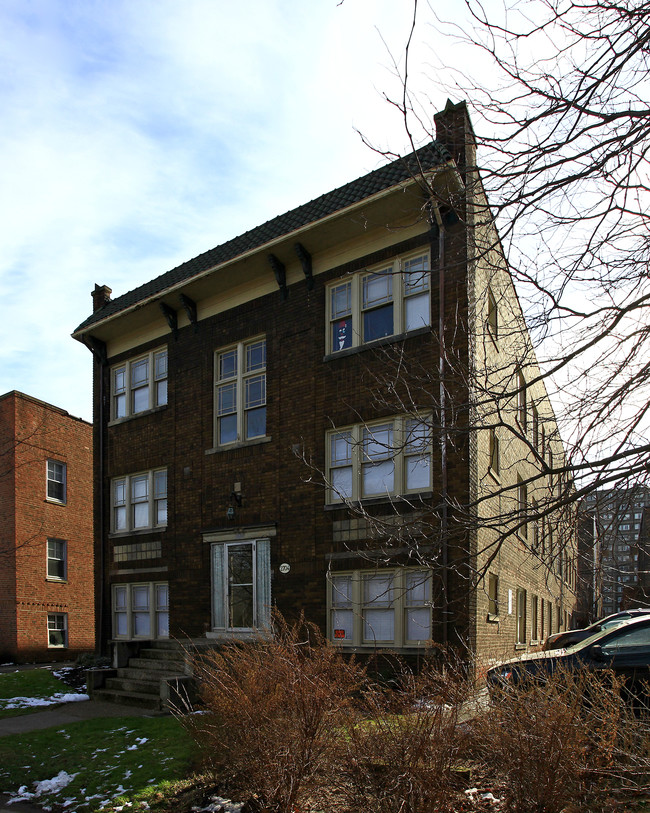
127 391
399 456
129 502
398 604
154 611
63 629
394 267
49 558
240 382
63 482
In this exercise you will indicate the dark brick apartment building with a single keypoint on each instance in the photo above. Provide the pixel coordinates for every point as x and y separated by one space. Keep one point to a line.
47 610
297 419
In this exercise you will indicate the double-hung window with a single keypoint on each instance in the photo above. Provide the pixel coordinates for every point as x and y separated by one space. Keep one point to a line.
521 616
56 559
522 508
57 630
139 501
389 300
56 481
390 457
522 406
139 384
240 392
380 607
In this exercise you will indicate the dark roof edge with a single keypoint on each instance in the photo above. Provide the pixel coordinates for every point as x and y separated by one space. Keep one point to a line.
401 169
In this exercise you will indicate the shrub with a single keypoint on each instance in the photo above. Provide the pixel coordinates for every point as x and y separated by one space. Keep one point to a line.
273 710
404 755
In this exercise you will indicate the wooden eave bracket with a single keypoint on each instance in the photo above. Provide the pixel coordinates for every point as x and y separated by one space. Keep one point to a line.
305 260
280 274
97 348
172 318
190 309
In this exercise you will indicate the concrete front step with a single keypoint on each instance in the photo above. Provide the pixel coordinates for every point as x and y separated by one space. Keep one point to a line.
144 701
138 686
152 664
149 675
160 654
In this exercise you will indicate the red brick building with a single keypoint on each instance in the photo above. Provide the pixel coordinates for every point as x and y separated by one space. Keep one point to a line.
338 412
46 531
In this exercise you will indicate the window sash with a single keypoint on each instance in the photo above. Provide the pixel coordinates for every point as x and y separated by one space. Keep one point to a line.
377 303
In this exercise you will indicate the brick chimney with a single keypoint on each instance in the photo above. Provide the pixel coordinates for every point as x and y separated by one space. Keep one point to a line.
454 130
101 295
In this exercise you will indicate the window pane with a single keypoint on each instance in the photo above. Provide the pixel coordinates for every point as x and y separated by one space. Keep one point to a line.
141 624
139 372
161 512
256 423
378 590
341 588
160 365
120 598
379 625
341 300
228 429
140 597
341 448
416 274
418 624
162 596
241 606
161 392
255 391
139 488
141 399
119 492
256 356
417 588
342 621
378 478
341 334
378 442
227 399
418 436
121 627
162 625
120 518
141 515
378 323
417 312
119 380
377 288
342 482
228 364
120 406
418 472
240 564
160 484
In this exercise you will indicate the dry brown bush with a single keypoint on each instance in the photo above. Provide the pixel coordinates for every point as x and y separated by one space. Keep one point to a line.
272 712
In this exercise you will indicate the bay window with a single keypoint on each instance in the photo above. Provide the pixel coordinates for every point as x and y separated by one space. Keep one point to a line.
141 610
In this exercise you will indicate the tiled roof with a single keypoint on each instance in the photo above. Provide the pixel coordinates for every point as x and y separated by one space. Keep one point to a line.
433 154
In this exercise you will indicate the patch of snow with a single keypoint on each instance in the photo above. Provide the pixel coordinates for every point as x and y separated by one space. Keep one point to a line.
33 702
54 785
220 805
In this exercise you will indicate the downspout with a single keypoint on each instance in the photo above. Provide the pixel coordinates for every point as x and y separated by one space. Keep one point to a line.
444 486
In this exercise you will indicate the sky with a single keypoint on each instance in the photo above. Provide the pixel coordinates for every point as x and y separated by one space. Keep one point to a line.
138 134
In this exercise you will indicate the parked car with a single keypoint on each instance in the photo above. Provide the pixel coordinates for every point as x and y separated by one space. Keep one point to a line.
624 649
570 637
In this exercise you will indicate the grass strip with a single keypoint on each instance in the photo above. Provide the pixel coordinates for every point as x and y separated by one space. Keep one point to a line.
113 760
36 683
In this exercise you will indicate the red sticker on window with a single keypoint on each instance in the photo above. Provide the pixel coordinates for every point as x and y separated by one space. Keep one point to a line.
339 633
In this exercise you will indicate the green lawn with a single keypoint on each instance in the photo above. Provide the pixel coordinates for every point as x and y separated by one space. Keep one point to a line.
34 683
111 761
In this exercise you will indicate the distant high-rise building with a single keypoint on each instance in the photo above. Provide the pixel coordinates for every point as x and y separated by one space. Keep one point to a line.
618 515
